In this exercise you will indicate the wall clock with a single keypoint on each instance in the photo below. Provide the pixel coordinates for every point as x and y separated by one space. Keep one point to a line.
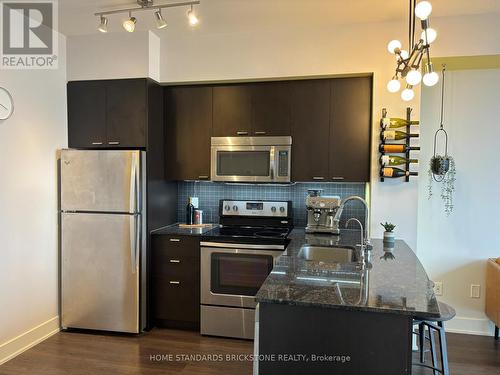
6 104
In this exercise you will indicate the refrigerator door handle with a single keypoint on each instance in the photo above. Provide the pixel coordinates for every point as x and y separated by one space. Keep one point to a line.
133 242
133 183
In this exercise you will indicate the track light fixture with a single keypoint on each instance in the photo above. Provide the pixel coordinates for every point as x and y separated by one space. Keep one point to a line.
193 19
408 65
130 23
103 25
160 22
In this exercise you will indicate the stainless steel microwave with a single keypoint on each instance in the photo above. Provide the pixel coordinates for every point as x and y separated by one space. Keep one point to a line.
251 159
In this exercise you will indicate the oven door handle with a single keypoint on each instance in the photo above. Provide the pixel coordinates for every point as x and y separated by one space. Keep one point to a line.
242 246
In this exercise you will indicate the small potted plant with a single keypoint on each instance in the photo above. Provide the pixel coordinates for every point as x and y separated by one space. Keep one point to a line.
388 234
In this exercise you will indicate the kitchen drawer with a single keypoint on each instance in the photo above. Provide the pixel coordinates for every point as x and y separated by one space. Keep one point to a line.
176 299
177 246
169 266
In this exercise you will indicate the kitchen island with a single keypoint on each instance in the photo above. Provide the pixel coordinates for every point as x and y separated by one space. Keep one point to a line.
320 316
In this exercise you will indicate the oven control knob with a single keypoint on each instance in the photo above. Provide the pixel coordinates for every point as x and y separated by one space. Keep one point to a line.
235 208
282 209
227 208
273 209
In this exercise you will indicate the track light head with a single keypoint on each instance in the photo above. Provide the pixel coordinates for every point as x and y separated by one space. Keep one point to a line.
129 24
160 22
103 25
193 19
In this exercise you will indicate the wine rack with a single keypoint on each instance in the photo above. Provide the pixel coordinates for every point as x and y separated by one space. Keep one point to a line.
407 146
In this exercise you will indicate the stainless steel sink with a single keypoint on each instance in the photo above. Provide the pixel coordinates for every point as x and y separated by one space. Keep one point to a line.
328 254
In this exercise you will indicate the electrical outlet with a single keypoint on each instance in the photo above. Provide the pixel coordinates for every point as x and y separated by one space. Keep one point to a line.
475 291
438 288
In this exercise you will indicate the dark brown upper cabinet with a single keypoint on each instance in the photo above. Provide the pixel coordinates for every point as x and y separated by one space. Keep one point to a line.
350 129
310 115
188 128
126 113
108 113
232 106
271 108
86 114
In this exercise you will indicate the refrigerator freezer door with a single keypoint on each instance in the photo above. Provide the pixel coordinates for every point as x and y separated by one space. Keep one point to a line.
100 271
101 181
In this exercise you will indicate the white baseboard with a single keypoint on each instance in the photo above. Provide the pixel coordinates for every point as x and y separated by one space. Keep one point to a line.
28 339
470 326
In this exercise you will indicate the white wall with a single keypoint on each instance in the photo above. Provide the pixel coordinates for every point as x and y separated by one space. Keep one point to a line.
454 249
28 203
111 55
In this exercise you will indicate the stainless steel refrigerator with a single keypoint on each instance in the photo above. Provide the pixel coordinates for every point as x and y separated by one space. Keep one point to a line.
103 241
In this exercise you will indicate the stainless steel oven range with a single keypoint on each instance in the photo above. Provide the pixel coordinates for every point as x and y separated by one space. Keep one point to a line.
236 259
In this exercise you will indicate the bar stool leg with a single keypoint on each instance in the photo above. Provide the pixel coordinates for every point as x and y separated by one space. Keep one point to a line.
444 350
421 341
496 332
432 341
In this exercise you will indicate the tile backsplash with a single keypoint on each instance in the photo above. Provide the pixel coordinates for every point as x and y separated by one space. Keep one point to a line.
210 193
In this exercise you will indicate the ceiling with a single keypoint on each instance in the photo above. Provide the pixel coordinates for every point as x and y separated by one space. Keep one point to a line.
76 16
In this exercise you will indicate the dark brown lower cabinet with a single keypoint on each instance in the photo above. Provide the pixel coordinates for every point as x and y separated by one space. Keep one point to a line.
176 281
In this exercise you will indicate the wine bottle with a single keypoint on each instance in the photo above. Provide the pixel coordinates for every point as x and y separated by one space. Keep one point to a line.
394 123
395 135
397 148
189 212
388 172
390 160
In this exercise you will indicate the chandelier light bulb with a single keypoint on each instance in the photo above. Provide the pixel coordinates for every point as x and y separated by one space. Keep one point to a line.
393 46
407 94
431 35
393 85
193 20
129 24
404 54
103 25
423 10
430 79
413 77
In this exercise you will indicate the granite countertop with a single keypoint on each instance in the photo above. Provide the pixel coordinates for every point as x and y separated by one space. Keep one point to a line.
175 229
395 283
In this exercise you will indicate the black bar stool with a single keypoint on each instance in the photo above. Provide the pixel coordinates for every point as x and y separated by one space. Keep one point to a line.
434 325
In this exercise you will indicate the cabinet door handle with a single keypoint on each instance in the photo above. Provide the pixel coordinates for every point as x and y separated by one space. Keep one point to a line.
318 178
260 133
203 177
96 143
240 132
175 261
174 282
338 178
175 240
113 143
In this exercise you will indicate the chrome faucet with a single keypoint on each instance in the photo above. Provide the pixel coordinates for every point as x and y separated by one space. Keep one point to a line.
367 235
362 243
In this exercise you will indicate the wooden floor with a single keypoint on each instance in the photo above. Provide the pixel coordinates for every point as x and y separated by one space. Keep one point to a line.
77 353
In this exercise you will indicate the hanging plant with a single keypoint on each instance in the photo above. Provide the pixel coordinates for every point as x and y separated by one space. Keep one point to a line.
442 167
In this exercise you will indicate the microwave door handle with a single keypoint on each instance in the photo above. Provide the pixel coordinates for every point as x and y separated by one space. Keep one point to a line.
273 163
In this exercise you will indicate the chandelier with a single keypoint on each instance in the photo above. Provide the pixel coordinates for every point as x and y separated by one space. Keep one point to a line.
408 64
